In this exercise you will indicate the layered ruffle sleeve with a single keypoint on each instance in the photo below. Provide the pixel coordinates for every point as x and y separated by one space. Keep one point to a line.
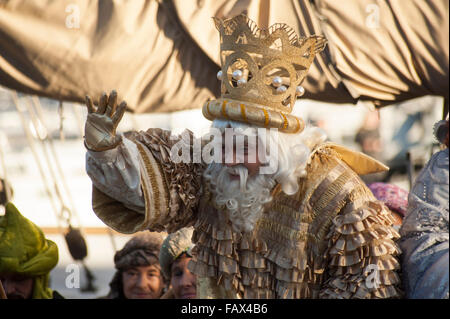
362 254
361 258
137 186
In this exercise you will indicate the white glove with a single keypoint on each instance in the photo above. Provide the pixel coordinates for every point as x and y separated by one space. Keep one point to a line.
101 124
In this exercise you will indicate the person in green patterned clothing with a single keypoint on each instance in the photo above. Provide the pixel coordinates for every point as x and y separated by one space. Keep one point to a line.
26 258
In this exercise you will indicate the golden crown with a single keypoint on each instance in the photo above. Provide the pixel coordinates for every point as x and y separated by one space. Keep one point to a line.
262 70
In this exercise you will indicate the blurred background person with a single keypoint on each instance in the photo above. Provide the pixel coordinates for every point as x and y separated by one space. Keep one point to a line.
26 258
138 274
425 238
368 136
174 258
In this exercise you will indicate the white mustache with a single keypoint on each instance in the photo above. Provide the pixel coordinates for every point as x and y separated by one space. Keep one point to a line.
235 170
242 172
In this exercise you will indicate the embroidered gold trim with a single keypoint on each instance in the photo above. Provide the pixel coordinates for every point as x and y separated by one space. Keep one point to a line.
207 108
224 110
306 200
330 204
324 186
331 212
153 182
285 124
244 117
298 125
266 116
286 232
286 210
164 183
332 191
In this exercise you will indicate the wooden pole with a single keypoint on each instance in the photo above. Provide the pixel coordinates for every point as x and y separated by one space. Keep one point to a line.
445 109
2 291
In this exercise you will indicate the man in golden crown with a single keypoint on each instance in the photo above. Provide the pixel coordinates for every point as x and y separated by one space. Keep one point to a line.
277 211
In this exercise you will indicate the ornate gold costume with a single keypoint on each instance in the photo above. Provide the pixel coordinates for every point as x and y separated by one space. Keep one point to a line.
321 242
316 243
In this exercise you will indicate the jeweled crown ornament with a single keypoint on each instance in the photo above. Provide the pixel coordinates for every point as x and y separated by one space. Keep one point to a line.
262 70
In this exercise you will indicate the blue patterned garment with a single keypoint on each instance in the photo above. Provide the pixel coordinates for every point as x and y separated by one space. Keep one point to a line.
424 242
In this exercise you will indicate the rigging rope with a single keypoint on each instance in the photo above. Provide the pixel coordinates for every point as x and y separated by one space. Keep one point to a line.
30 140
49 139
7 190
74 239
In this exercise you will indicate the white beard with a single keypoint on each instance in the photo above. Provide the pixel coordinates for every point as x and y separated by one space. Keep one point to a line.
242 200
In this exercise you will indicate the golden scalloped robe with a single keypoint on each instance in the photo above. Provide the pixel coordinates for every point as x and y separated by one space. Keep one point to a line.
332 239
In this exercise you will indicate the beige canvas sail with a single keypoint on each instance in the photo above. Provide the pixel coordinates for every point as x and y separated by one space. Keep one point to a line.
163 56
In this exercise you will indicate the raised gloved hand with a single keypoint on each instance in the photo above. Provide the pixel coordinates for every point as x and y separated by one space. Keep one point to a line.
101 124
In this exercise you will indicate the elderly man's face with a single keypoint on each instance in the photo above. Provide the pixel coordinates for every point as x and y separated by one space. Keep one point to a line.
17 286
143 282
